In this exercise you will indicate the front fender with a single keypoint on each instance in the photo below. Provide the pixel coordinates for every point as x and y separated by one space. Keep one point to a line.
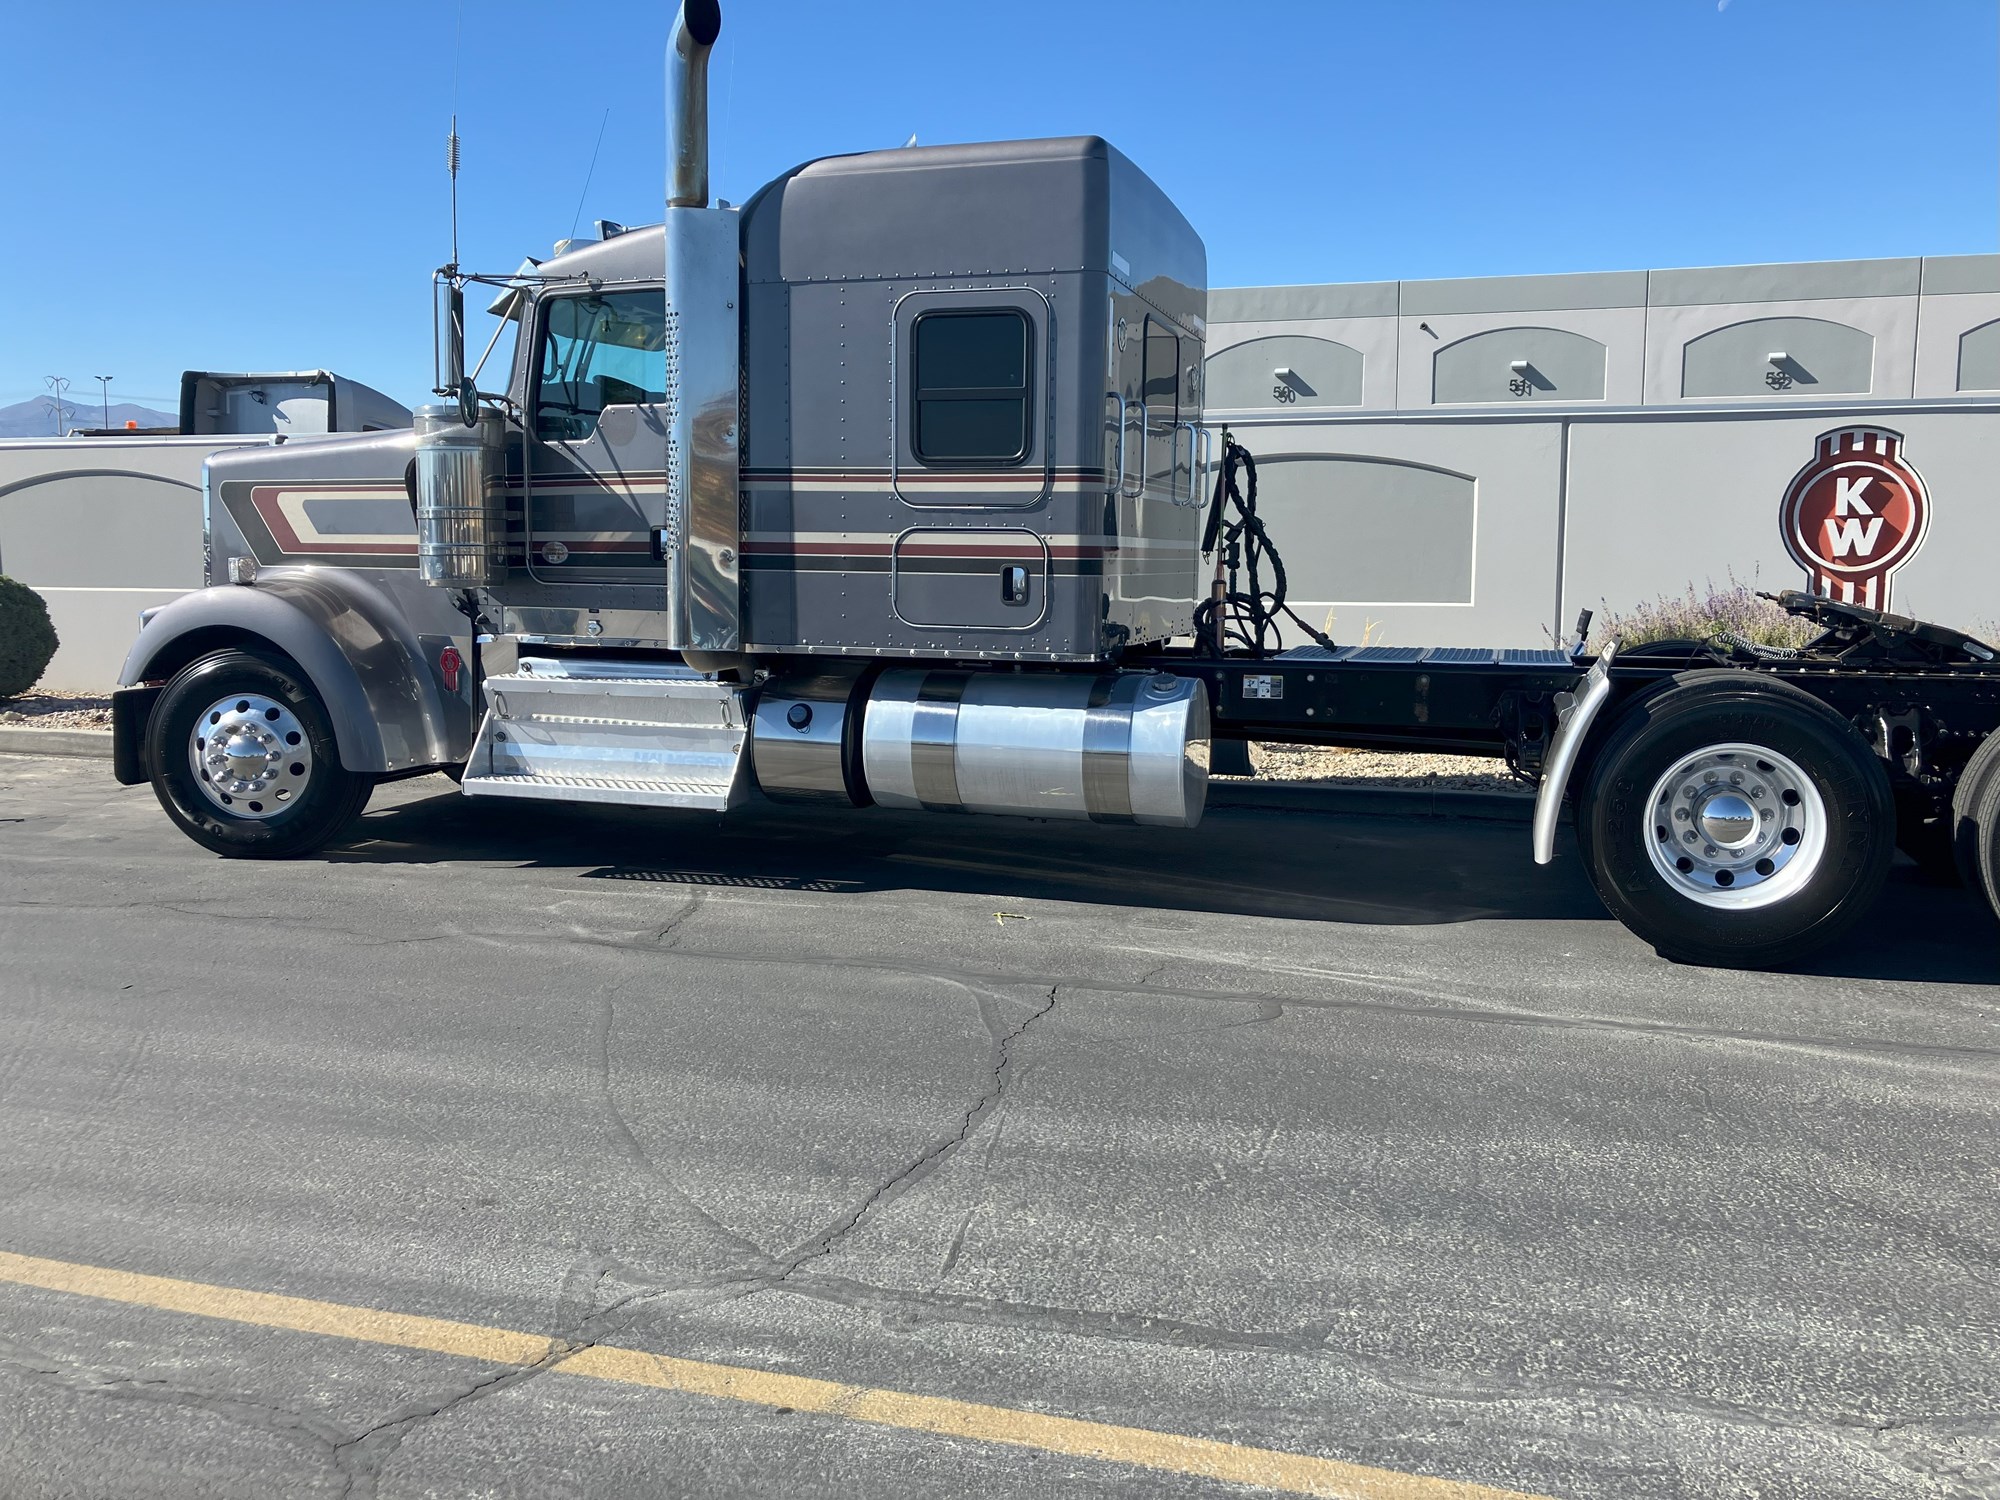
388 710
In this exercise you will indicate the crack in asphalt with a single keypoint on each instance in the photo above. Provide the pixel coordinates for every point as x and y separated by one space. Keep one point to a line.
235 1407
669 935
622 1136
939 1153
360 1458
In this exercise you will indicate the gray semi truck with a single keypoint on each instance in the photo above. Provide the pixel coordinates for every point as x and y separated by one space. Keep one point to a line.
891 486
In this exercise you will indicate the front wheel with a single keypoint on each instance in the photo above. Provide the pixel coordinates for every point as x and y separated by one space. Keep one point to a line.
243 759
1736 821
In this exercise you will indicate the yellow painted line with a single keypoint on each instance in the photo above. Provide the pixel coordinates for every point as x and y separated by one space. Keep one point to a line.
1173 1453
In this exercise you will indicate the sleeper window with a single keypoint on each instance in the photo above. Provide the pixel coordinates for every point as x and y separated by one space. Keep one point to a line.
972 398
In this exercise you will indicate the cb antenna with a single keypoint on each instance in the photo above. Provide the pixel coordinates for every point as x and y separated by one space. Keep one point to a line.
451 166
451 141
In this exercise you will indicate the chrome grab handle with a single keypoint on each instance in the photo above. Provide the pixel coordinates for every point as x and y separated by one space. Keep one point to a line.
1145 443
1197 460
1118 485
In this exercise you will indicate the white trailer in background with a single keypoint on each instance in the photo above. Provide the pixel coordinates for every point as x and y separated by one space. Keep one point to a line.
106 525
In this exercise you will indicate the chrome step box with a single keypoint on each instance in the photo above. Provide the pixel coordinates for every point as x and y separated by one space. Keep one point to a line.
635 733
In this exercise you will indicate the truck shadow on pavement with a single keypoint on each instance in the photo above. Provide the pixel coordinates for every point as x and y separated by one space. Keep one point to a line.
1337 867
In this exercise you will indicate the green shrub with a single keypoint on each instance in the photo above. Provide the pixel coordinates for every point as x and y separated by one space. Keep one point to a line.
27 639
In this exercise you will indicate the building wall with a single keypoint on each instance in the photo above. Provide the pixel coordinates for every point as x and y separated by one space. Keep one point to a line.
1610 436
102 528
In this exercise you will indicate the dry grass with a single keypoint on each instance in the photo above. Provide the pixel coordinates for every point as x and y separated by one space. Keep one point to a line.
1701 614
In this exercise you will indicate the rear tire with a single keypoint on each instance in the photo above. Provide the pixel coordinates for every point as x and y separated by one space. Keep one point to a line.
1975 819
1736 821
241 754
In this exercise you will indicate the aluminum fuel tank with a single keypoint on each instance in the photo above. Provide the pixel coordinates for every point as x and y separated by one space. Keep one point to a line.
1112 747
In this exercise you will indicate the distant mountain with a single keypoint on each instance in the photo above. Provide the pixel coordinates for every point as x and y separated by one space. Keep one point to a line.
36 418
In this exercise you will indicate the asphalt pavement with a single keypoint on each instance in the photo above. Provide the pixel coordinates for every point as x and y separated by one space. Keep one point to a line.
1351 1137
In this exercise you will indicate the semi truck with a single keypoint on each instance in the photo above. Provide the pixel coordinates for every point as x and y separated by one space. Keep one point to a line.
888 488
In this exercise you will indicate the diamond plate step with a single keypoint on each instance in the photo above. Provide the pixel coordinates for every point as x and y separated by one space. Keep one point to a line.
549 788
628 733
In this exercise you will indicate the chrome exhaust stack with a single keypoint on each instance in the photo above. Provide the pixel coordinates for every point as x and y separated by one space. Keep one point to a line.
701 539
695 30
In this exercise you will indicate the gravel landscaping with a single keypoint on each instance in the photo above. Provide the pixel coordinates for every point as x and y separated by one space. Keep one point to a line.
39 710
1382 768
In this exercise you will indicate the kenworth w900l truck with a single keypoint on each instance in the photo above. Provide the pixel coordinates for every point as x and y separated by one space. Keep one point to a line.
890 487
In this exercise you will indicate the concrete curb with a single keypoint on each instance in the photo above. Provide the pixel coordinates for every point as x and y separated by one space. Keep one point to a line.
21 739
1379 802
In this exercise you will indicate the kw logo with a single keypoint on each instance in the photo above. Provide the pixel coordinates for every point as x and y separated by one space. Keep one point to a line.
1847 535
1855 514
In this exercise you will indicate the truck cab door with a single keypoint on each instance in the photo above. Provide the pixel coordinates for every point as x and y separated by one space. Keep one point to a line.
596 472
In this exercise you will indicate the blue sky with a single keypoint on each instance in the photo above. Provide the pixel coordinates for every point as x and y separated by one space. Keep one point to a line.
236 186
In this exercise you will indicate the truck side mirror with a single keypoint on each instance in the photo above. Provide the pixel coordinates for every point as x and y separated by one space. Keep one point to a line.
448 330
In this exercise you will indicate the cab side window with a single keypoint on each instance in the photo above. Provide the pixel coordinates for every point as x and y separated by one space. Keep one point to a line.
972 390
599 349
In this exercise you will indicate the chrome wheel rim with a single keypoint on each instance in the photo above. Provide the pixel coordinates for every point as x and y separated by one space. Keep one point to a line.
250 755
1735 826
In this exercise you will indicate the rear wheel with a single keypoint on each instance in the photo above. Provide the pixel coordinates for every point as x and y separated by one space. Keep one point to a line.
1736 821
242 757
1975 822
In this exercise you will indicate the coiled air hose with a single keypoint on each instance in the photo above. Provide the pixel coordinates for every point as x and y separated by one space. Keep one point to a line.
1245 619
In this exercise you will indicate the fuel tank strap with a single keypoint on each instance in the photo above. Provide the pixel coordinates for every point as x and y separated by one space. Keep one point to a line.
934 741
1107 749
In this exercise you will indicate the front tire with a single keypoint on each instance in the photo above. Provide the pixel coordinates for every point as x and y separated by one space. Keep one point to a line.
1736 821
242 757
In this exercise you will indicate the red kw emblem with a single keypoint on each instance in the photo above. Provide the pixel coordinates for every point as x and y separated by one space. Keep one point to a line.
1855 514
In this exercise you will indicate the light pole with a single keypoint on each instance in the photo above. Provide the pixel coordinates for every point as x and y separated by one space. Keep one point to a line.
57 385
104 389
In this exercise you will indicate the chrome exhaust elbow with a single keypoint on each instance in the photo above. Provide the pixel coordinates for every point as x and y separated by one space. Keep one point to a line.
695 30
